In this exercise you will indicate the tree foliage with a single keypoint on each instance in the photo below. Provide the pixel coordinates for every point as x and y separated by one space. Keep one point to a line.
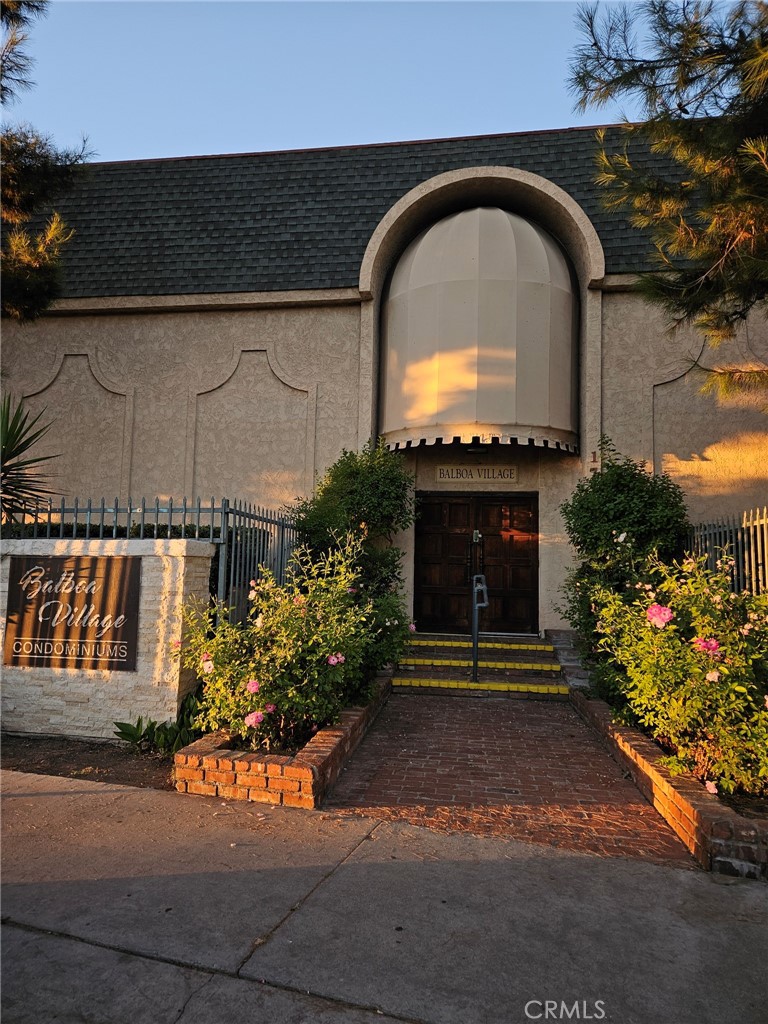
35 173
699 72
16 63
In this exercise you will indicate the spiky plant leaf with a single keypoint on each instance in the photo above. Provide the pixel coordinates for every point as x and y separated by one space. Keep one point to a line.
21 483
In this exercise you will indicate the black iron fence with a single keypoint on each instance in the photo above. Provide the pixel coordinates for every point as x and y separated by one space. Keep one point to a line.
745 539
247 537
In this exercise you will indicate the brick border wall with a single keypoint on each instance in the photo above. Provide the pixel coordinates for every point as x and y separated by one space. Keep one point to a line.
210 767
721 840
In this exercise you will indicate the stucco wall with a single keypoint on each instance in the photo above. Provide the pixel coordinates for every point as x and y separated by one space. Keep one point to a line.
255 396
715 448
75 702
247 403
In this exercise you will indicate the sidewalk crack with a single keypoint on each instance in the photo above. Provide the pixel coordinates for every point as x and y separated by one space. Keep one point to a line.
262 940
192 995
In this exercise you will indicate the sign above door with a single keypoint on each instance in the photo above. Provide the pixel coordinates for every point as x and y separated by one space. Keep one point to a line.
465 474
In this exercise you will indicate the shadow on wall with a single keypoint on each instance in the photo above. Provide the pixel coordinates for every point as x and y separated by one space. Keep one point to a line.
736 467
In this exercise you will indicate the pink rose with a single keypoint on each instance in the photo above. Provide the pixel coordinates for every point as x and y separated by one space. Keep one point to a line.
207 667
712 677
252 686
710 787
332 659
659 616
412 627
255 718
269 708
709 646
340 659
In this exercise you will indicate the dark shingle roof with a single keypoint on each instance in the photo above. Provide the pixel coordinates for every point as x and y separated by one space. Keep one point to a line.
291 220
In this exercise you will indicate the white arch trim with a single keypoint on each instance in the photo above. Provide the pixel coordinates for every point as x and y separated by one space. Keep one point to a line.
529 195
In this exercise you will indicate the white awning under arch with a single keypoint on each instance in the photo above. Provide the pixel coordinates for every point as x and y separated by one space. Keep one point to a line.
479 333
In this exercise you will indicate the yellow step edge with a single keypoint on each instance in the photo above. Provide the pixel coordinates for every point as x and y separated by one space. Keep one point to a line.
452 684
483 646
439 663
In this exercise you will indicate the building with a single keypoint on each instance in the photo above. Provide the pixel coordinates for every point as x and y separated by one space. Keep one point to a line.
231 323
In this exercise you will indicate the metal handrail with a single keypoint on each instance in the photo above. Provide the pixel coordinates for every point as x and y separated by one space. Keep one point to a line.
479 587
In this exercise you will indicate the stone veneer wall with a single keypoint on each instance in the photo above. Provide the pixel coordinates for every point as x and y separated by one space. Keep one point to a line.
86 703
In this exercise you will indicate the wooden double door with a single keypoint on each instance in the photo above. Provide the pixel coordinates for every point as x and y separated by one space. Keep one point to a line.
460 536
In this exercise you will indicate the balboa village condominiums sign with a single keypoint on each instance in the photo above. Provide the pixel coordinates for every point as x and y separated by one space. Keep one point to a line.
73 612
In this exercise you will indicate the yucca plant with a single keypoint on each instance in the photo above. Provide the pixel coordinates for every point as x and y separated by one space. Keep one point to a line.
20 481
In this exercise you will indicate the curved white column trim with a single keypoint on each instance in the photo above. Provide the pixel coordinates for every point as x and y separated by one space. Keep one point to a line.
528 194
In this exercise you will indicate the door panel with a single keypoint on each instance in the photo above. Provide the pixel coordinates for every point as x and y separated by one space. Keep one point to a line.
446 558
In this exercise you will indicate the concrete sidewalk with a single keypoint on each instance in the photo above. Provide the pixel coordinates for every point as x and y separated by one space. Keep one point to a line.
127 906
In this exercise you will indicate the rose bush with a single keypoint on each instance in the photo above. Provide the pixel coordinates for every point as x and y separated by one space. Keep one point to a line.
307 650
691 660
615 519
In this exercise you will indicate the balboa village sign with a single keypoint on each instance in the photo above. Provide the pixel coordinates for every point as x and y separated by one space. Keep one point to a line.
476 474
75 612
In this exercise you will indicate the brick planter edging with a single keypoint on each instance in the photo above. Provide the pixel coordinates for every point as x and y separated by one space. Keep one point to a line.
720 839
210 767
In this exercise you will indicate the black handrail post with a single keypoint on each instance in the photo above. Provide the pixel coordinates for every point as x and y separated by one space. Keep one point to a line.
478 587
223 547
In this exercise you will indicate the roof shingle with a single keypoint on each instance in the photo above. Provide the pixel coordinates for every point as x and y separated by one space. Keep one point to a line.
292 220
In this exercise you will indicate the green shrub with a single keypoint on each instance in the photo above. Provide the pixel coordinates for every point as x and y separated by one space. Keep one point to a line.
691 658
615 519
368 494
312 647
624 513
307 650
390 628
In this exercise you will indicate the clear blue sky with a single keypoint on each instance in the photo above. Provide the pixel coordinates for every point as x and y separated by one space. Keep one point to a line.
156 78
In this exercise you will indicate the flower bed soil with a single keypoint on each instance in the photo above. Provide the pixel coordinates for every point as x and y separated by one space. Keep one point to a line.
99 761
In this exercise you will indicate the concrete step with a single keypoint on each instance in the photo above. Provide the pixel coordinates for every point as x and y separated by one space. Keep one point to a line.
463 648
508 664
507 654
513 666
521 688
489 641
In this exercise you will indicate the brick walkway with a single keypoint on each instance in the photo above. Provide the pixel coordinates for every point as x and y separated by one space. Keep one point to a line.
528 770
